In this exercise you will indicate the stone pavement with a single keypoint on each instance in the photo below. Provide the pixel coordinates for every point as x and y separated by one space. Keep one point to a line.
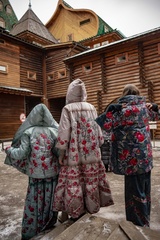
14 185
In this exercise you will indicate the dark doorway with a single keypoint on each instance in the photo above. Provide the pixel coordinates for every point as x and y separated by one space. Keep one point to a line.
56 106
31 102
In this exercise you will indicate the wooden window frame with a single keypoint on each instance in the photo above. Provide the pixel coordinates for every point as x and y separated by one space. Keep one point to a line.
86 68
121 58
31 75
5 71
60 73
51 76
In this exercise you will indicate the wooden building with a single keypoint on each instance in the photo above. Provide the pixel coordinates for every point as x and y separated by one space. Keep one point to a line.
27 69
35 67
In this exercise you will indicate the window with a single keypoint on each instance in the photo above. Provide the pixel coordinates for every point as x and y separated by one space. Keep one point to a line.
51 76
70 37
85 21
3 68
62 73
121 58
2 23
8 9
31 75
96 45
87 67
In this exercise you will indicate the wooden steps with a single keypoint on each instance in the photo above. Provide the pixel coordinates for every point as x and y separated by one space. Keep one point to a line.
90 227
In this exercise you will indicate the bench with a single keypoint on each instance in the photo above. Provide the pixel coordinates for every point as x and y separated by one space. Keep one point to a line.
2 141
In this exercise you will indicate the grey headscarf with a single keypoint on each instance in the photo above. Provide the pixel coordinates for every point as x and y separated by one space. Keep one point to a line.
76 92
39 116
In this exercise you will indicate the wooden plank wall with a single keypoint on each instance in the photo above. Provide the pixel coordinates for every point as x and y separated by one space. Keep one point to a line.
152 70
31 60
12 106
10 58
58 87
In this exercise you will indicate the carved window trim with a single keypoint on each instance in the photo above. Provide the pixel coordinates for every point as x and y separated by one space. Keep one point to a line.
61 73
31 75
121 58
87 67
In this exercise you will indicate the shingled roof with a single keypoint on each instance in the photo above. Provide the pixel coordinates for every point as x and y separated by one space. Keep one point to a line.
31 23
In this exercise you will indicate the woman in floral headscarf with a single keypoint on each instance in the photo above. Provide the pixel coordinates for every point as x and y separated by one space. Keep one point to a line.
82 184
128 120
33 153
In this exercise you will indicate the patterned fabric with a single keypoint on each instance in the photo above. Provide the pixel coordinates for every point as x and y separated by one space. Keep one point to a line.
38 214
82 188
33 153
33 148
131 142
82 184
137 198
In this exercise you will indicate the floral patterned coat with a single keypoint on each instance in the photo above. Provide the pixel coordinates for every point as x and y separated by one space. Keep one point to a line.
131 140
33 148
82 183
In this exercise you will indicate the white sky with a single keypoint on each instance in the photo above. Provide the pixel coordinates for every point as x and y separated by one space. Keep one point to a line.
129 16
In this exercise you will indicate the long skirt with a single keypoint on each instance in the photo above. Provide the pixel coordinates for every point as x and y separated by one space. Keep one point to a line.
38 214
138 199
82 188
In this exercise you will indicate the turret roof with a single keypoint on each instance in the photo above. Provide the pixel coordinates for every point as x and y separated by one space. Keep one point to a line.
31 23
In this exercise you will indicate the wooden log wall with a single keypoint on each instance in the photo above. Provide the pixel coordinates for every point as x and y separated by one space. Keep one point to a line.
11 107
152 70
92 79
56 87
31 60
9 58
107 78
